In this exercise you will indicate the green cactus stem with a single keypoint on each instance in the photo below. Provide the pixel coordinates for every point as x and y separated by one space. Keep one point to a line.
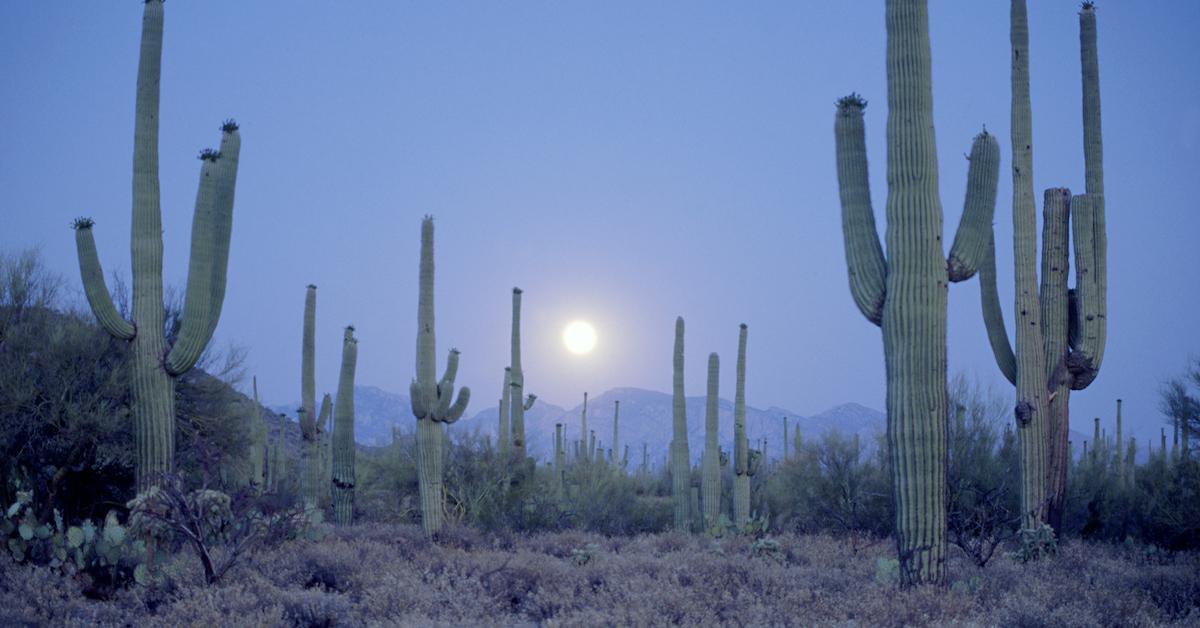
343 480
155 365
785 440
583 430
560 460
680 459
741 446
309 446
616 419
591 448
432 400
905 292
520 403
1120 444
505 438
710 473
1061 331
258 442
324 451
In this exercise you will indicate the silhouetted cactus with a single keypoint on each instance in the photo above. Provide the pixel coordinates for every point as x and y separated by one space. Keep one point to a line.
504 437
343 480
431 399
616 419
560 460
591 442
309 447
905 294
741 447
1060 331
711 463
520 403
680 459
155 365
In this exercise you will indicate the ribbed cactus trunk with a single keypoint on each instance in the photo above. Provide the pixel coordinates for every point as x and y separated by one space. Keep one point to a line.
1066 327
155 365
258 442
517 413
906 292
1095 437
785 440
325 451
310 453
584 433
616 423
343 480
591 448
680 458
431 399
560 460
710 474
505 437
741 446
1120 448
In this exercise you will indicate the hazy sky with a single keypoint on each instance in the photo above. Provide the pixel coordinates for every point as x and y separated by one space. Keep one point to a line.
623 162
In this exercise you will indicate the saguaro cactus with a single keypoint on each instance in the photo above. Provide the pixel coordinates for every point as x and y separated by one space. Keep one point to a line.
710 474
258 441
560 460
741 446
905 293
616 419
1060 331
505 438
584 430
431 399
155 365
520 403
342 484
680 459
309 446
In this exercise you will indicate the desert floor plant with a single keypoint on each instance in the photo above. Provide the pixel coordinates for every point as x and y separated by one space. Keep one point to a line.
432 403
905 293
155 365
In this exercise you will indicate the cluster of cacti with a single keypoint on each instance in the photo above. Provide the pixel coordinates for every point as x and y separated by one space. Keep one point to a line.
680 459
1060 331
343 477
155 365
710 471
905 293
432 403
107 551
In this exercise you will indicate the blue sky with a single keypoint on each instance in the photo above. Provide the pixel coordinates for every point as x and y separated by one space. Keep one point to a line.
622 162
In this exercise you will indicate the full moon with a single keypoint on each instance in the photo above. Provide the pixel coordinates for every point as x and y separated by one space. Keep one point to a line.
580 337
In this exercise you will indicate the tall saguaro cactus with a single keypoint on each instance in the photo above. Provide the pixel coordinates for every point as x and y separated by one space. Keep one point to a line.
155 365
560 460
905 293
431 399
584 430
710 475
616 422
741 446
505 438
310 451
1060 331
520 403
680 458
258 441
343 479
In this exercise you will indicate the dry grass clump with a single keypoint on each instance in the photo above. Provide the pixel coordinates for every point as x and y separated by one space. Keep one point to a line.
390 574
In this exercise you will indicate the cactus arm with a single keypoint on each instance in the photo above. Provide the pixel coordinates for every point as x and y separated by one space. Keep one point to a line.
529 400
974 228
227 168
864 254
445 390
1087 333
993 315
190 343
1053 294
93 283
459 406
325 412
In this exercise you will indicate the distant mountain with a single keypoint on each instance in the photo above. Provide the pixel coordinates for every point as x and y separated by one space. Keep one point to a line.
646 417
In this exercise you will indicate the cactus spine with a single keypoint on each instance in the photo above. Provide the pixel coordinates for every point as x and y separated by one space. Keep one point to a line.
431 399
343 478
741 447
905 294
258 441
680 459
1060 331
710 479
155 365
